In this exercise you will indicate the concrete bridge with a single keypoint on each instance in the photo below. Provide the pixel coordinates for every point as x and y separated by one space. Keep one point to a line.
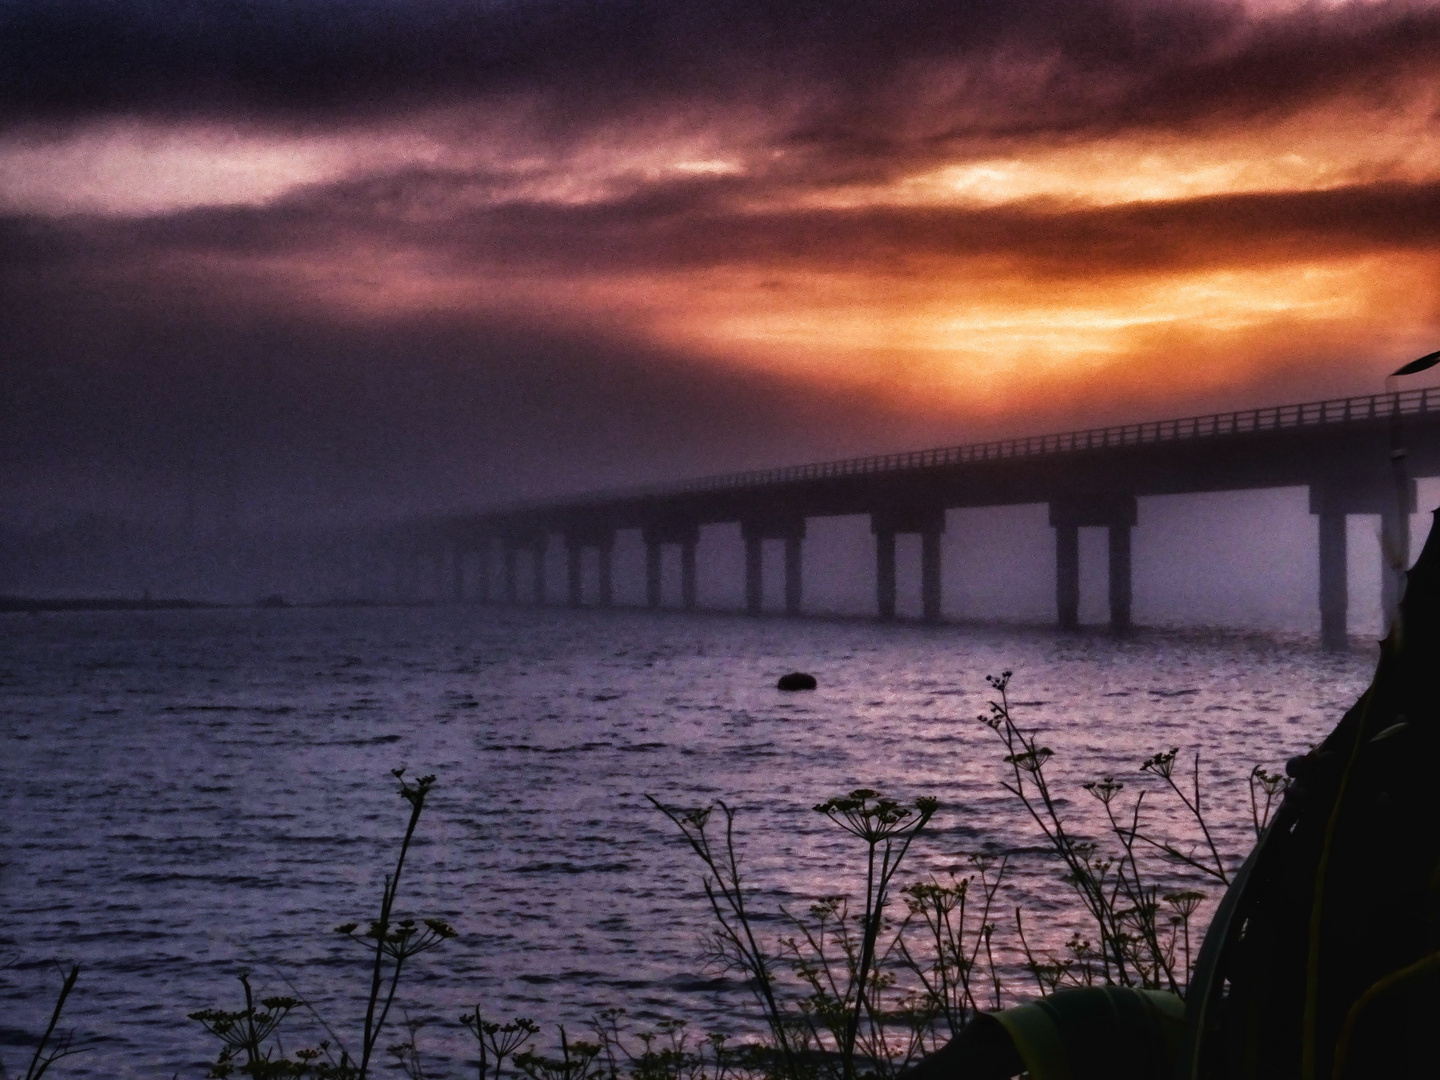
1346 451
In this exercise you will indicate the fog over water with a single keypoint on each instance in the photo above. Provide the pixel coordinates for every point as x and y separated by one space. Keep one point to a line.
186 794
1244 560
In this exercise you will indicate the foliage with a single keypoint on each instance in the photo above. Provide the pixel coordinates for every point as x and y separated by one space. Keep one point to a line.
249 1046
858 986
50 1047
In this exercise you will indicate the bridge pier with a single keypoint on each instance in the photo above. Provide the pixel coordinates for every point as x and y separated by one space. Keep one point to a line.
792 575
1334 586
485 556
1067 575
687 573
1331 501
652 573
687 535
1117 514
773 524
885 574
930 575
538 548
576 541
573 551
929 522
508 555
1121 584
754 575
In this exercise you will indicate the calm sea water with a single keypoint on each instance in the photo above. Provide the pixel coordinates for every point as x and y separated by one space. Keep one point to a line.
191 794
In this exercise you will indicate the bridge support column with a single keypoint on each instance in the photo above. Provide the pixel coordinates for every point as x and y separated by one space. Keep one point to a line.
1334 586
927 519
885 574
540 546
580 534
397 576
1394 561
793 579
607 574
658 533
774 522
754 575
1332 498
930 575
687 575
573 552
1067 576
1120 579
512 589
1117 514
652 574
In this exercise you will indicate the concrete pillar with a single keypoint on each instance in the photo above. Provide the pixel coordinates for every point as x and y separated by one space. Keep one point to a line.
1120 578
792 574
442 586
485 556
539 548
652 575
1394 561
885 573
687 575
607 576
397 576
1334 598
573 551
930 575
754 574
1067 575
512 589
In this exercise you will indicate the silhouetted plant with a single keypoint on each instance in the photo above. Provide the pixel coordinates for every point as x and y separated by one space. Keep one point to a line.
52 1047
392 943
1144 936
497 1041
949 964
849 992
838 1021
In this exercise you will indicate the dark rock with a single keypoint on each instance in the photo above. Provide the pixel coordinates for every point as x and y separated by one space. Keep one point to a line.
796 680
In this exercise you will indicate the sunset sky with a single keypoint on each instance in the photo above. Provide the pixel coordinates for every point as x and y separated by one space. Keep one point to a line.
392 255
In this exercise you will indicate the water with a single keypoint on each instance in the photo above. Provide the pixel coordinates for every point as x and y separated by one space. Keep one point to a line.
190 794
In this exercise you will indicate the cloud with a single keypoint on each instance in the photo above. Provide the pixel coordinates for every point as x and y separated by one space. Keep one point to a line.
448 251
863 80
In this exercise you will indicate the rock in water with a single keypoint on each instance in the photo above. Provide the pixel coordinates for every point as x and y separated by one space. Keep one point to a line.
796 680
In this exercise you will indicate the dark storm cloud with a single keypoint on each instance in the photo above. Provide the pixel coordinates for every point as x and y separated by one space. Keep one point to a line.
856 68
693 225
124 379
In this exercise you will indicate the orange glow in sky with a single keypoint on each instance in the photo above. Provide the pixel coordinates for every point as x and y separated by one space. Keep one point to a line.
961 235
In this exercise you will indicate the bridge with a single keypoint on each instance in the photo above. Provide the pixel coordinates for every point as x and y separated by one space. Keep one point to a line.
1356 455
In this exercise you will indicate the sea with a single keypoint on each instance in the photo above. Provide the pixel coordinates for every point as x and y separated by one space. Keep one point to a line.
186 796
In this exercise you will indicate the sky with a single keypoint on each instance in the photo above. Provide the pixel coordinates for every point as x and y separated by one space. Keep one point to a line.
295 259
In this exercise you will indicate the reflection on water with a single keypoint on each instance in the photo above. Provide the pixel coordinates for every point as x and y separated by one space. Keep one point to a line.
190 793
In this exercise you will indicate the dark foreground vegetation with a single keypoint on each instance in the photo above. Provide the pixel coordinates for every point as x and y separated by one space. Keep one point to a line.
860 985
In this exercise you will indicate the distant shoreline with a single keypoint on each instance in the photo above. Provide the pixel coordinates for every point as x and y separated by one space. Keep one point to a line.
101 603
11 604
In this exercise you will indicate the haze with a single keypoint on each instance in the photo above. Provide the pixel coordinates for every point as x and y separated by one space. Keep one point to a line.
282 264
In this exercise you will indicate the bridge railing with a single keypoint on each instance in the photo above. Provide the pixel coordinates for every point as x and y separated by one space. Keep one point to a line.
1334 411
1211 426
